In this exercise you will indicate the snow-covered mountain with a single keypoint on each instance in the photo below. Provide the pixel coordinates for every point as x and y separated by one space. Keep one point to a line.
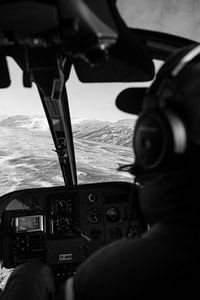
118 133
27 159
25 121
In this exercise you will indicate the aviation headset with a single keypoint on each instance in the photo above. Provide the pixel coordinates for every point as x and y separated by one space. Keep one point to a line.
160 134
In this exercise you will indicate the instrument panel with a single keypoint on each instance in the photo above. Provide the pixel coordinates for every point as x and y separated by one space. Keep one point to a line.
62 226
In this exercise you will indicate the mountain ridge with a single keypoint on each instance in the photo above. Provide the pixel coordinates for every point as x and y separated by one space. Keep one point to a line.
119 132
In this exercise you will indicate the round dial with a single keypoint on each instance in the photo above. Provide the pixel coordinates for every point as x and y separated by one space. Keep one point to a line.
92 198
134 230
94 215
113 214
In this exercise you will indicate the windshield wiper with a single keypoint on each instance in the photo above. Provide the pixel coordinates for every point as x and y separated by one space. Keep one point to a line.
58 115
55 102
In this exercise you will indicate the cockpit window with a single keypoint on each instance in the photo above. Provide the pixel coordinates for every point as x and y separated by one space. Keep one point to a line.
179 17
102 133
27 159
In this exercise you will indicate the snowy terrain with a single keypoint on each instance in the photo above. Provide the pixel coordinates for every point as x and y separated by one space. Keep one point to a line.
27 159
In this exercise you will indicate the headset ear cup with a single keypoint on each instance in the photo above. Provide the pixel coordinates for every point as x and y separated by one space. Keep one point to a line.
153 140
159 137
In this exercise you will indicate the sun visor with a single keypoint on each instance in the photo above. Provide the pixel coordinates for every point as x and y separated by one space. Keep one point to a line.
130 100
128 61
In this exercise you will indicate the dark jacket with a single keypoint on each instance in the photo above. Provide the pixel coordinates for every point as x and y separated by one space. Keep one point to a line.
164 263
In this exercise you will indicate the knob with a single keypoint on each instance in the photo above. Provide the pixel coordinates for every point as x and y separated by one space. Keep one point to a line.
92 198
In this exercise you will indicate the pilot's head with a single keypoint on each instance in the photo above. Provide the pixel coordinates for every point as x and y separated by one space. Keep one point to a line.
166 138
168 127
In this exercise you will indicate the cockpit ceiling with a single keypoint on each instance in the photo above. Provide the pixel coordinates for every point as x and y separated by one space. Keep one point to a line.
37 24
25 18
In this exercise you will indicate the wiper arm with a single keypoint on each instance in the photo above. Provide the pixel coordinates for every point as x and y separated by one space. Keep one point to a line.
56 107
66 150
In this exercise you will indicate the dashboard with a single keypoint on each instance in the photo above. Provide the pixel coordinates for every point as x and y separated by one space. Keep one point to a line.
62 226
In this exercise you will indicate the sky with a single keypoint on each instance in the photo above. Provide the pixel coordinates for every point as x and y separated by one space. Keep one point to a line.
175 16
16 99
95 101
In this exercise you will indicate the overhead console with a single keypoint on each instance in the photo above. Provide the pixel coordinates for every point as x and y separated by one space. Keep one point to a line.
62 226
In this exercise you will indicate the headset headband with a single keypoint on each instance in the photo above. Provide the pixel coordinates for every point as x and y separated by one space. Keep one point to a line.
185 60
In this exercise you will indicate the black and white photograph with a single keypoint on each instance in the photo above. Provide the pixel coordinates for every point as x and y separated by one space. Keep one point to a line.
99 149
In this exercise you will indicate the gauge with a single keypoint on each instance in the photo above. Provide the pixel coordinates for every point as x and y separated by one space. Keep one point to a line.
92 198
62 225
94 215
62 205
113 214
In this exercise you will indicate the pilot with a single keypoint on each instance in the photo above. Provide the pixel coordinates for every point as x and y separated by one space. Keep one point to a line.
165 262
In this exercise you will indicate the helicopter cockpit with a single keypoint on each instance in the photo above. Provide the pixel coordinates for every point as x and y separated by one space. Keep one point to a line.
63 225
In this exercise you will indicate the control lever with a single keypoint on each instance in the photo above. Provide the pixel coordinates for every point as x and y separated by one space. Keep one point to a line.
83 235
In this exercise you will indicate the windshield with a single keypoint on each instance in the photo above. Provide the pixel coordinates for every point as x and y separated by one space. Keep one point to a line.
27 159
102 133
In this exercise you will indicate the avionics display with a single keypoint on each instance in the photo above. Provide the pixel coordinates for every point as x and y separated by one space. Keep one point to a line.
29 223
